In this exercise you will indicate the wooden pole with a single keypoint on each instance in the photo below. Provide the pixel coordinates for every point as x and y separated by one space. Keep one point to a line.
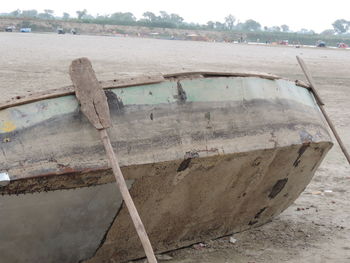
140 229
94 105
321 104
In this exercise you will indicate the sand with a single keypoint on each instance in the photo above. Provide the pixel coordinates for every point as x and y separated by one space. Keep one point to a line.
316 228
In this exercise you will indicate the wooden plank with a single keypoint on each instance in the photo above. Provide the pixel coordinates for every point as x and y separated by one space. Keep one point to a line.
222 73
126 82
132 81
301 83
93 101
321 104
69 90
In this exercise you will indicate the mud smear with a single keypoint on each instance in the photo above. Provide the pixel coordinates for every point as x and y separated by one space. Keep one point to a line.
277 188
184 165
300 153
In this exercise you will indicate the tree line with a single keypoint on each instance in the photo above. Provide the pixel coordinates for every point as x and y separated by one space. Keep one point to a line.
166 20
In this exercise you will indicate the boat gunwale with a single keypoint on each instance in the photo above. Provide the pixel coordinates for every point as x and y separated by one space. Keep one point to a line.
138 81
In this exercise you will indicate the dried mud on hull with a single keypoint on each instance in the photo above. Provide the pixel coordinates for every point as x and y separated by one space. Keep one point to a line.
179 204
210 198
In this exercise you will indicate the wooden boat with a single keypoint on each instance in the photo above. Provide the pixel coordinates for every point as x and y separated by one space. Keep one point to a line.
204 154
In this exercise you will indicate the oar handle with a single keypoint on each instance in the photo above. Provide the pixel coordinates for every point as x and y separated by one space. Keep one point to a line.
94 105
310 80
336 135
321 104
140 229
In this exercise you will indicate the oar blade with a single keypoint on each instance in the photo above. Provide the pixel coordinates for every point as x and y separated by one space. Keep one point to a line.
90 94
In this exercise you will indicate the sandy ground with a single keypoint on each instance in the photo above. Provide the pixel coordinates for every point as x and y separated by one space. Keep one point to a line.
316 228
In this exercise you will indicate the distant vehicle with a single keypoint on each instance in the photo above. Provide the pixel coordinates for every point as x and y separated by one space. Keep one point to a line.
342 45
320 43
25 30
73 31
284 42
10 29
60 31
195 37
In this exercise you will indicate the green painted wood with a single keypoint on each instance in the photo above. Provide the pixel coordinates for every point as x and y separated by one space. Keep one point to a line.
221 89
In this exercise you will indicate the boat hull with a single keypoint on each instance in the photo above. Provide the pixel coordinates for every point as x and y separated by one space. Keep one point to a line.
204 157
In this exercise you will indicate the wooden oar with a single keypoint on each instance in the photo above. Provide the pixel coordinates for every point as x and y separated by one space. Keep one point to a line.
321 104
93 103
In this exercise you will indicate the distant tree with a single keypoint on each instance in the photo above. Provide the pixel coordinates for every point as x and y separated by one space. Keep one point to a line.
341 26
16 13
168 20
210 25
328 32
164 16
81 13
29 13
176 19
103 17
251 25
285 28
49 11
150 17
239 26
192 25
272 29
230 22
276 29
165 20
65 16
306 31
126 18
88 17
219 25
48 14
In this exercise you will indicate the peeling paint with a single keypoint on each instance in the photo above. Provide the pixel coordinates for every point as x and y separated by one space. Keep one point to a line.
8 126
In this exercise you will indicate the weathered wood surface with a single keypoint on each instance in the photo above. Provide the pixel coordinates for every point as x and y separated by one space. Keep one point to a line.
92 99
258 141
133 81
222 74
211 197
51 137
69 90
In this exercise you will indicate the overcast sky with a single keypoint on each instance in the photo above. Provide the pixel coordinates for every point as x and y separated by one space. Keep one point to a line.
311 14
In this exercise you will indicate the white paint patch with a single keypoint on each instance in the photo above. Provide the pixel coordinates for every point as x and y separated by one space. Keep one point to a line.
4 179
